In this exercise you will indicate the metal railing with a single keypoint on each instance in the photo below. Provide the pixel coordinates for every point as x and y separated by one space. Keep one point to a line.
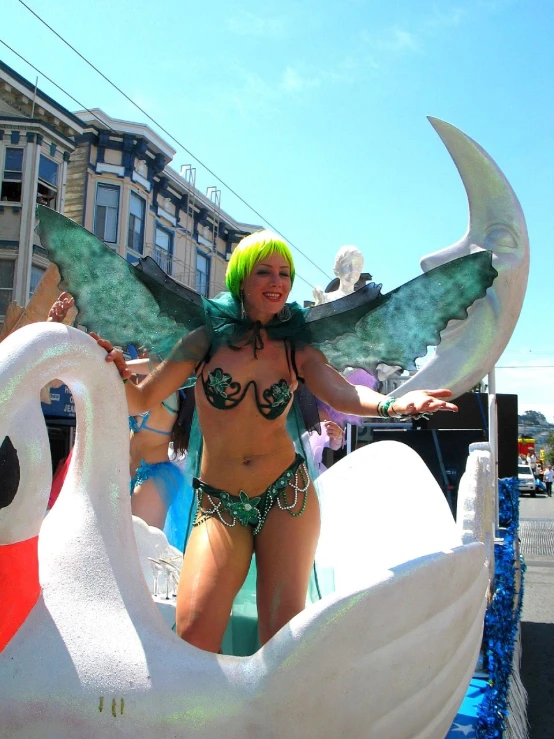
180 271
174 267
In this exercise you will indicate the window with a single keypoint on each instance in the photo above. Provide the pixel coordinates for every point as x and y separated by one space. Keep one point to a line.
135 240
47 189
6 284
13 175
202 273
48 171
163 248
107 212
36 275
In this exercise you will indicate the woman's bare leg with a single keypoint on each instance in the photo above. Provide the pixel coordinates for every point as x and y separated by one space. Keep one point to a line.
147 504
215 566
285 551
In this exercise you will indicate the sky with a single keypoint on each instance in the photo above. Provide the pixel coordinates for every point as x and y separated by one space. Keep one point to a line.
314 114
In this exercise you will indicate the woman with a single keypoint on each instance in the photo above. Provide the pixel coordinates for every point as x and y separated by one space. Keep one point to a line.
254 492
158 491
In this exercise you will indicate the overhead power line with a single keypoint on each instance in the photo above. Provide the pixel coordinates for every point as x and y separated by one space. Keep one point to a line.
39 71
46 77
173 138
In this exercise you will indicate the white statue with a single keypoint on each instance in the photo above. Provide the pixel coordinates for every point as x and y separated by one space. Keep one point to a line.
349 263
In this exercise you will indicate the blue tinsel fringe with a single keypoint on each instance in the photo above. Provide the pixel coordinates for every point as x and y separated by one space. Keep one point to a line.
502 618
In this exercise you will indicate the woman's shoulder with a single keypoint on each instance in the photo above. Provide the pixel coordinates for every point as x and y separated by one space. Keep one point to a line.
191 348
306 353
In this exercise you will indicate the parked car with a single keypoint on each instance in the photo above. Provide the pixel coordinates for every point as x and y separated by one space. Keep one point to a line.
527 482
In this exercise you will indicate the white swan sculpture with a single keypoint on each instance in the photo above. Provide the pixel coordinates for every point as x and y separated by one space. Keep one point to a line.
388 655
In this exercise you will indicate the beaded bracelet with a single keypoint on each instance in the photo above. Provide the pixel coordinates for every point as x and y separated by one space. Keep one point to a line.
384 405
383 411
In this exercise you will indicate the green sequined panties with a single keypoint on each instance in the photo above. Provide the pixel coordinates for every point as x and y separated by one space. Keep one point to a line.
253 511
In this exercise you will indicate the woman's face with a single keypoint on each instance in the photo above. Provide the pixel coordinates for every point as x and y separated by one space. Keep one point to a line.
267 287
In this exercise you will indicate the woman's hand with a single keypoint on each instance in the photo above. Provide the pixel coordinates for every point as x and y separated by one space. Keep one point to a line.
114 355
335 434
422 401
60 308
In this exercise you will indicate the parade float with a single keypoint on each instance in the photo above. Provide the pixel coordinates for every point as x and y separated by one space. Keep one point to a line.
389 649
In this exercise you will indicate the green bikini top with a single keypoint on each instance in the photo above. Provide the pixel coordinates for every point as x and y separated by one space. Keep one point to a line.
222 393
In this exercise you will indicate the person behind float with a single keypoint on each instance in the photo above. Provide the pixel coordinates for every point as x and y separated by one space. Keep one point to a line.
157 481
254 492
549 479
331 437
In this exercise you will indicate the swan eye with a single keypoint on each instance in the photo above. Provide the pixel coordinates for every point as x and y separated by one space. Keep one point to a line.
9 472
500 238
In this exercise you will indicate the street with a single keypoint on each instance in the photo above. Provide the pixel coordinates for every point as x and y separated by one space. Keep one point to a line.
537 622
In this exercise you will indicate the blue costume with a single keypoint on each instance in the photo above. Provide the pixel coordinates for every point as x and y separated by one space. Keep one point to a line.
169 479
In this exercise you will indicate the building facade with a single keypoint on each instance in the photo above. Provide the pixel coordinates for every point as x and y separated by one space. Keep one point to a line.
110 176
37 139
121 188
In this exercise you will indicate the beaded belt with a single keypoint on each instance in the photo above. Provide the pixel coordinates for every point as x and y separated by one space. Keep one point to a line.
253 511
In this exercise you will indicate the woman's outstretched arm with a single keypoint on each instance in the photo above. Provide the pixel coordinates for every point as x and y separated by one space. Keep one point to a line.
332 388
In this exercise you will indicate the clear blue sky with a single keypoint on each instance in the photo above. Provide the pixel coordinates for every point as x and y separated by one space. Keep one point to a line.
315 113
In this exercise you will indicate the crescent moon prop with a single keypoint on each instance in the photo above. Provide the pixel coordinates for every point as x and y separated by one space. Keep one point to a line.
469 349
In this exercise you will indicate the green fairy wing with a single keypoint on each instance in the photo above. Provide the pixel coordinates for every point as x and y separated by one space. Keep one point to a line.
141 305
124 303
367 328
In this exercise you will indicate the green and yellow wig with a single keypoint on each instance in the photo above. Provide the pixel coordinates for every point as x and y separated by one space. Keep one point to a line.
252 249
